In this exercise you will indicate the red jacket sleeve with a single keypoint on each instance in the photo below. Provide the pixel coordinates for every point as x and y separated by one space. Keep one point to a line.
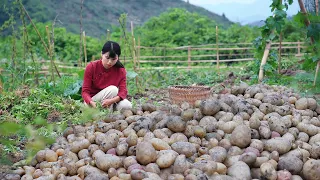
123 92
87 82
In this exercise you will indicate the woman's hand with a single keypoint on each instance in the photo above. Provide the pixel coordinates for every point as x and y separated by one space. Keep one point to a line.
107 102
93 104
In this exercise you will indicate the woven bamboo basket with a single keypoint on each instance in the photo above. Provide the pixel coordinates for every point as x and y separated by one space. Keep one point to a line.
190 94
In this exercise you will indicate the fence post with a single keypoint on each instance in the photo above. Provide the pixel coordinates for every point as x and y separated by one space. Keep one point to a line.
280 47
189 57
138 49
50 55
133 48
134 55
1 88
264 60
299 50
218 65
316 75
85 49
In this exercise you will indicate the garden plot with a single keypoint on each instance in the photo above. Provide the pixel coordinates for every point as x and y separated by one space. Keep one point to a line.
253 132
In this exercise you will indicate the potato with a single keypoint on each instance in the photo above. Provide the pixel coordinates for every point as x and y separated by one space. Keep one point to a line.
84 153
310 129
145 153
199 131
209 122
188 114
178 137
314 139
106 161
225 107
301 104
239 170
277 125
234 150
296 177
218 154
166 158
257 144
254 122
165 173
225 143
227 127
175 177
152 167
259 161
266 108
274 155
278 144
249 158
210 107
134 166
284 175
268 171
241 136
264 130
311 169
176 124
291 163
185 148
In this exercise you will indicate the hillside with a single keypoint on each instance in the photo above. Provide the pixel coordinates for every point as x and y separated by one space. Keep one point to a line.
100 15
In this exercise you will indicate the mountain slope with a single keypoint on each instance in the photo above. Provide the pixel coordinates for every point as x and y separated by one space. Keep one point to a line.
100 15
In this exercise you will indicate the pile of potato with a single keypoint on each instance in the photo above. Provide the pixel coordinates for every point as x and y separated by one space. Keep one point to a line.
254 132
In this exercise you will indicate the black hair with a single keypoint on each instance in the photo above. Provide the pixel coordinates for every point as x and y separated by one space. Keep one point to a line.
114 49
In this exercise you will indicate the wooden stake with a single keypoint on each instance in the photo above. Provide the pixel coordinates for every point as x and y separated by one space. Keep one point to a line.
50 55
43 43
139 44
80 44
264 60
85 49
1 88
316 75
318 64
108 35
133 48
299 48
134 55
189 57
217 46
279 59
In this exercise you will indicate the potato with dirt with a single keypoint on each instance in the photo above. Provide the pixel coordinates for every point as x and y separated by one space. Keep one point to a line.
209 107
239 170
241 136
145 153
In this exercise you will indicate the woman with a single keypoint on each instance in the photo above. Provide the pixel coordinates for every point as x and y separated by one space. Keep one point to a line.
105 80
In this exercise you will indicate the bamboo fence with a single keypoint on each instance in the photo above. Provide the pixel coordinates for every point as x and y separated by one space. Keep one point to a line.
194 56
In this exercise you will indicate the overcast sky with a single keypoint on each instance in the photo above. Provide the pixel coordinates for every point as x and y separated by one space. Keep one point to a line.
242 11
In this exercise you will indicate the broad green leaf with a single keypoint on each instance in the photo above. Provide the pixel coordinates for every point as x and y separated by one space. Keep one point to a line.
271 36
280 14
73 88
131 74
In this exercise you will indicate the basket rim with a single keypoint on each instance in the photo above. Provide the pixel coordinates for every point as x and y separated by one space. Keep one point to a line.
187 87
